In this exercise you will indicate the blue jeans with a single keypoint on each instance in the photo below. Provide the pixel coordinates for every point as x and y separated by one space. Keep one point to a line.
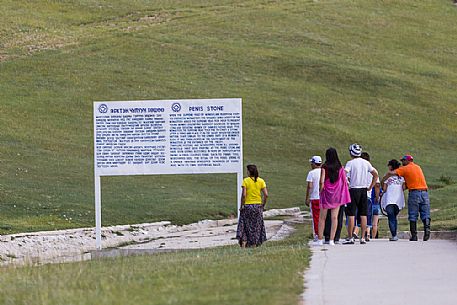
418 202
392 212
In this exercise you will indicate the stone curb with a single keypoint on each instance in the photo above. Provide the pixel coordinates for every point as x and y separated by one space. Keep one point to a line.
75 244
445 235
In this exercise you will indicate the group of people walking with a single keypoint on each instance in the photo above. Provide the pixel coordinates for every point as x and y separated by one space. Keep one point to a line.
356 190
334 190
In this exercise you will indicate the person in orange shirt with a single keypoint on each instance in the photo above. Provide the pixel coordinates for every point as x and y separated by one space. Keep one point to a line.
418 200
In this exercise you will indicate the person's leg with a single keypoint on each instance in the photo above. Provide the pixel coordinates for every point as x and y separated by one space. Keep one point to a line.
362 206
427 231
328 226
315 215
390 210
375 220
374 228
241 229
364 228
357 223
334 214
396 212
346 213
424 209
340 223
350 211
351 222
322 217
355 232
369 218
413 213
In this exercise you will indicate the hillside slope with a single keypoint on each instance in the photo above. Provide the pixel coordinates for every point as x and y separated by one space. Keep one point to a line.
312 74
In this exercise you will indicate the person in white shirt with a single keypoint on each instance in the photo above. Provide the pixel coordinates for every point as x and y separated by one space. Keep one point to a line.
312 191
393 197
357 172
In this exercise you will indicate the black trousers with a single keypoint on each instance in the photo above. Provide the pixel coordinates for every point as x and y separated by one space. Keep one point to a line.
328 224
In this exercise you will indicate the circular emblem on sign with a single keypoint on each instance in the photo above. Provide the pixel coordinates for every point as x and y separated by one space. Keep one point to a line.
103 108
176 107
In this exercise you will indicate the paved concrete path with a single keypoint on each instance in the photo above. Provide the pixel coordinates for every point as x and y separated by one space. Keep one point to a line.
383 272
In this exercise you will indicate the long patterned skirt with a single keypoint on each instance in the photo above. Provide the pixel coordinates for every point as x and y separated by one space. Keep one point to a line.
250 225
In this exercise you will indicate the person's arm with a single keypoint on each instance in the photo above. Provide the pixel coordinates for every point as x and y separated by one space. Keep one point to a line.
347 171
377 191
321 181
308 190
243 196
388 175
375 175
383 182
264 197
384 188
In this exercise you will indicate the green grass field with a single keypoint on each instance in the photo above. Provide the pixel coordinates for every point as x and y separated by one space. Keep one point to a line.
312 74
271 274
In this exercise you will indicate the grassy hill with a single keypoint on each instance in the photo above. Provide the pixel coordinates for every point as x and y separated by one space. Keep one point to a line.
312 74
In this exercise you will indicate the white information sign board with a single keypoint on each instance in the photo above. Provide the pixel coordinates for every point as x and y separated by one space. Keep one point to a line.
197 136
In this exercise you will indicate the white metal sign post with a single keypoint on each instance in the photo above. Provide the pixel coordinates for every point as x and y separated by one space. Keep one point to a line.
199 136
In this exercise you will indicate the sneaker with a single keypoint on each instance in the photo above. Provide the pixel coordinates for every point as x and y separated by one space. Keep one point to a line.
395 238
355 236
318 243
363 241
331 243
337 242
326 242
349 242
315 238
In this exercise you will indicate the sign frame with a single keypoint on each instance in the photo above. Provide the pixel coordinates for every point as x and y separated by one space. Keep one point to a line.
236 168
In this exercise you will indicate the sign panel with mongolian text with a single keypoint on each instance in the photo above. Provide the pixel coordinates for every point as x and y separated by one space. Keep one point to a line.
168 137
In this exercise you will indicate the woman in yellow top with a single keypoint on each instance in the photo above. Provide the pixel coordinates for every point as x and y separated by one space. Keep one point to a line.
251 229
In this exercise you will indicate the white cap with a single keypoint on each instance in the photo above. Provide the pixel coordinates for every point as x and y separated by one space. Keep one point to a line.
316 160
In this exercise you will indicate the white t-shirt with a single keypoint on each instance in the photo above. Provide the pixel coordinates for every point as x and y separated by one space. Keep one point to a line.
314 176
394 193
357 171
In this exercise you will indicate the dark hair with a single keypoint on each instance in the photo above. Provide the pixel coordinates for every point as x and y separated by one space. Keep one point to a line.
394 163
253 172
365 156
332 164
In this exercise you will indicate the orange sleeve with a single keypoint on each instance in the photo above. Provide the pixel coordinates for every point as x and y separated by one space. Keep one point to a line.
400 171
